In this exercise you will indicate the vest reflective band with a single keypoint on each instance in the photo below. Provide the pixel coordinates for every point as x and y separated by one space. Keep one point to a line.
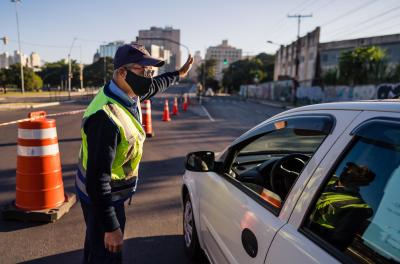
329 206
125 167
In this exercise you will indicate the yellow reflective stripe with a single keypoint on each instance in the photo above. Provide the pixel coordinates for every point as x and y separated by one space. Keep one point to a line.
122 117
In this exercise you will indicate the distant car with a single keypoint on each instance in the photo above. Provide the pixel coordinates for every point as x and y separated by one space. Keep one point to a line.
315 184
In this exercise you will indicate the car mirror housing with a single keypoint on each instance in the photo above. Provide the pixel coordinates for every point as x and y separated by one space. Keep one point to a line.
201 161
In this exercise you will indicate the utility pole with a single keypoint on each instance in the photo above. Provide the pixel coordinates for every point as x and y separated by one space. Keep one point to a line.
19 47
81 68
70 69
298 47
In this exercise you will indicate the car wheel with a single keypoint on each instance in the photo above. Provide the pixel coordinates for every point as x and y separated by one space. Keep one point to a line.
191 241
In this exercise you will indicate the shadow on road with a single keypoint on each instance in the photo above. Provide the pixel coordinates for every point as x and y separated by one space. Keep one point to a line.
7 184
142 250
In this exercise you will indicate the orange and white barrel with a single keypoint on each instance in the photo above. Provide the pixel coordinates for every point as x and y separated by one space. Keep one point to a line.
146 117
39 183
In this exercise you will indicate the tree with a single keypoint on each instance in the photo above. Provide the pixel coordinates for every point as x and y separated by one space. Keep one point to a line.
32 81
94 74
364 65
54 72
330 77
247 71
207 72
268 62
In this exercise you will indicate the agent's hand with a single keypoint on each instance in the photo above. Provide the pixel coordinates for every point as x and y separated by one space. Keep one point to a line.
113 240
186 67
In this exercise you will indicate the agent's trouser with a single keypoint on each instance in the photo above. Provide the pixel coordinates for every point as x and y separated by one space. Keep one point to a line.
94 250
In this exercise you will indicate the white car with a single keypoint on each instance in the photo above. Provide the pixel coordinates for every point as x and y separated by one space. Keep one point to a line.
315 184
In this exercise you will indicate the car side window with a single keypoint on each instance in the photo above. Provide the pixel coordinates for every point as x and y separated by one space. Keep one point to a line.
357 214
269 162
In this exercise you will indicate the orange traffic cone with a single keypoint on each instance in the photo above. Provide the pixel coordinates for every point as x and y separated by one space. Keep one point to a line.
166 117
39 187
175 108
185 103
146 117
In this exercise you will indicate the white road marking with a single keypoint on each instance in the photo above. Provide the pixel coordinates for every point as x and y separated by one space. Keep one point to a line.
207 113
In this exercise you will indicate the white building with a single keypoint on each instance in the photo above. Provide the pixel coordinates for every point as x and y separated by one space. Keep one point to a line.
224 54
108 50
167 37
32 61
197 60
305 49
4 60
35 60
161 53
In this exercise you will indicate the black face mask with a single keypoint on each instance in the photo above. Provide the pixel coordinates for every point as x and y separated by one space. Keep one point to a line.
139 85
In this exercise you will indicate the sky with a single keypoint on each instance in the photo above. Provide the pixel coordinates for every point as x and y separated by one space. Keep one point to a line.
49 26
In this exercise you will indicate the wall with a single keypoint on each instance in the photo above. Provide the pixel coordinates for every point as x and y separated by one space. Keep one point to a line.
282 91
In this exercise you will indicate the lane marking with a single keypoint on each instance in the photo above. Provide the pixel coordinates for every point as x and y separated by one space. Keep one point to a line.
207 113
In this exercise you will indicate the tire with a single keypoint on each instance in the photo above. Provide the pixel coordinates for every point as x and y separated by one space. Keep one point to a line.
190 238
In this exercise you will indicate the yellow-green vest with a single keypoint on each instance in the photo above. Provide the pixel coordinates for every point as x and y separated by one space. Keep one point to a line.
124 169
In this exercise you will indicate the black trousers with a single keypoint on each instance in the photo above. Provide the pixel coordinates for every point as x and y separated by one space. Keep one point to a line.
94 250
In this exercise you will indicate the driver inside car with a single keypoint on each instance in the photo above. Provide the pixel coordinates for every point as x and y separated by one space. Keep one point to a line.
341 211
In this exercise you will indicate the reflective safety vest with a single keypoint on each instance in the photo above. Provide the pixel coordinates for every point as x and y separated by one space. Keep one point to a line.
124 169
330 206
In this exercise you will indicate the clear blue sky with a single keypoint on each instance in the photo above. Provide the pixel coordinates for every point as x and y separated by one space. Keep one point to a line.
247 24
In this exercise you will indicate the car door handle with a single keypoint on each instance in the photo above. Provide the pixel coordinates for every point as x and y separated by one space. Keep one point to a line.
249 242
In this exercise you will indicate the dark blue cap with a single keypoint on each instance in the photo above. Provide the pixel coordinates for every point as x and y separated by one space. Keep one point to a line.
135 53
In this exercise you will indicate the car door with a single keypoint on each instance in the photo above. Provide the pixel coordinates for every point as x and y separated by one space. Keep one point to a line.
366 229
238 223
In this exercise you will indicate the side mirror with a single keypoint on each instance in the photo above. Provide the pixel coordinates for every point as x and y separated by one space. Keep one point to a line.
202 161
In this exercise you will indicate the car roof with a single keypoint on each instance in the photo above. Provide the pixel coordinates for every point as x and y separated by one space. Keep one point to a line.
387 105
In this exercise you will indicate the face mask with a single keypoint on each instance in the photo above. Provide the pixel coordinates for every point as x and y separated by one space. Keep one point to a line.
139 85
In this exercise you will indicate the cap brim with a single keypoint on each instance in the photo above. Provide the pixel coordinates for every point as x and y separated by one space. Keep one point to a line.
150 61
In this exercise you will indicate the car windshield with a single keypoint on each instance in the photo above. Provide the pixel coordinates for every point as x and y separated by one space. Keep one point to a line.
286 141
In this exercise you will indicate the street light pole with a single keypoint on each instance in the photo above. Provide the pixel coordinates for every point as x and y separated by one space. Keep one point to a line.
19 47
70 69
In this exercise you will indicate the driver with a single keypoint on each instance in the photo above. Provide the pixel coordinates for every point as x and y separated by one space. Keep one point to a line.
341 210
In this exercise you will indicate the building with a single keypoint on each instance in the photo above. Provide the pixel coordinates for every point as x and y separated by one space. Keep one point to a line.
4 60
108 50
35 60
224 54
162 53
168 38
306 50
96 56
32 61
330 51
315 58
197 60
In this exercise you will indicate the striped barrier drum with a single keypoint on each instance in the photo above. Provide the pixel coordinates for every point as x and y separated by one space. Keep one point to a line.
146 117
39 178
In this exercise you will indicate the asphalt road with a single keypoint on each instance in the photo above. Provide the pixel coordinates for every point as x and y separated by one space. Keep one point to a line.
154 219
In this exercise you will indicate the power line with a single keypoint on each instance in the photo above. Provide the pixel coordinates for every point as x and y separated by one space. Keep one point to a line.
283 23
368 20
323 6
356 9
299 17
337 31
383 29
307 6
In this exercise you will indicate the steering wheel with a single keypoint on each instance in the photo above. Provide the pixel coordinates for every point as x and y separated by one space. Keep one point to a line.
285 171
